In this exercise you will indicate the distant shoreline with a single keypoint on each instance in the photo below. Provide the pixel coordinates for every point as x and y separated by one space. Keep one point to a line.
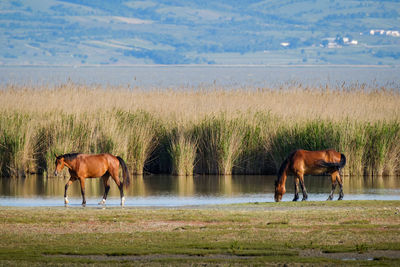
200 76
205 66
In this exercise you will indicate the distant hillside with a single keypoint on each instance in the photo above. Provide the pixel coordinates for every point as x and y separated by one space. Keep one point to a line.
95 32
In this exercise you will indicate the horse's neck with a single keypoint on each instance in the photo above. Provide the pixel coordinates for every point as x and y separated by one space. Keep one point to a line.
282 179
70 164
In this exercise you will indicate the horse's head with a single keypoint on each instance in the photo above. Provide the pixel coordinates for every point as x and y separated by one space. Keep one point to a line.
279 191
59 164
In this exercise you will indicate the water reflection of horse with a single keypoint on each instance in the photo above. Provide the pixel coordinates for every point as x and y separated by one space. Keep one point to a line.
82 166
301 162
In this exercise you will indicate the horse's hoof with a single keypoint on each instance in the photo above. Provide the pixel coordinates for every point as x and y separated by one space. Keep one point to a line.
66 201
122 201
83 204
102 202
304 199
329 199
295 199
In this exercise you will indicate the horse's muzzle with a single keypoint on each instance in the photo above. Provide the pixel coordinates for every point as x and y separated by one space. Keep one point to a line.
277 198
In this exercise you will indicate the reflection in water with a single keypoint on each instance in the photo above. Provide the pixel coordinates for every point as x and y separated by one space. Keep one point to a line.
227 185
167 190
184 185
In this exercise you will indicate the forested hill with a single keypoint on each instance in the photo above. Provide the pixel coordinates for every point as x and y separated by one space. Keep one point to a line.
123 32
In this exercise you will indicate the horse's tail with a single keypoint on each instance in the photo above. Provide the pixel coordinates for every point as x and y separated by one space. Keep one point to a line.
125 171
336 165
342 161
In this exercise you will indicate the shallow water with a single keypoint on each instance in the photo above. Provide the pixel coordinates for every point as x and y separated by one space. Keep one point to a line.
204 76
165 190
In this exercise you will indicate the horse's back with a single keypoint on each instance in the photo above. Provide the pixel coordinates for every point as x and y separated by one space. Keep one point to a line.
96 165
328 154
332 155
108 159
99 157
113 161
305 161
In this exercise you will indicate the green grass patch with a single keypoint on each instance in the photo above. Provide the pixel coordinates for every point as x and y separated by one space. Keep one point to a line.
251 234
355 222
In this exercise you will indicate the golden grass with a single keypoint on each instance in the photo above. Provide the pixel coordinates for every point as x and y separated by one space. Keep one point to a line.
293 104
245 130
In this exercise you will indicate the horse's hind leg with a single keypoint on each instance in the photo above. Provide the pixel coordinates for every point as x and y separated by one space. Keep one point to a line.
296 189
334 183
82 181
106 182
340 181
114 175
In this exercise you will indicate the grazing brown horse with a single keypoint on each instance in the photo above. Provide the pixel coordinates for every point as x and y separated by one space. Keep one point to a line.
82 166
301 162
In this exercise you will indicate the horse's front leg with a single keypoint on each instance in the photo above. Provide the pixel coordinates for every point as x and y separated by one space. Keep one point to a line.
296 189
303 188
70 181
82 181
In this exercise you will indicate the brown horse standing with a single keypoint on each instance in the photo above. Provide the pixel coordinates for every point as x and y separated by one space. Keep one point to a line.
301 162
82 166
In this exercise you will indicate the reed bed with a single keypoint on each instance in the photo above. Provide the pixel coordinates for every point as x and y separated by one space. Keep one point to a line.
202 130
182 148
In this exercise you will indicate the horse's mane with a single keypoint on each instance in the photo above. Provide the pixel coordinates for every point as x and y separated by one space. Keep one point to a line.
69 156
283 167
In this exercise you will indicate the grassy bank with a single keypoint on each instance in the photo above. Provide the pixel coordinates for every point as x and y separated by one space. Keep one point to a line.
323 233
213 131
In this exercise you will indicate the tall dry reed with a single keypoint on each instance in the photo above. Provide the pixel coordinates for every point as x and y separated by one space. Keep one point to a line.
295 103
220 143
182 148
248 131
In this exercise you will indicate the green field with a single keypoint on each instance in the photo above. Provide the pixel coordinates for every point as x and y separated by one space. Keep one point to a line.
306 233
